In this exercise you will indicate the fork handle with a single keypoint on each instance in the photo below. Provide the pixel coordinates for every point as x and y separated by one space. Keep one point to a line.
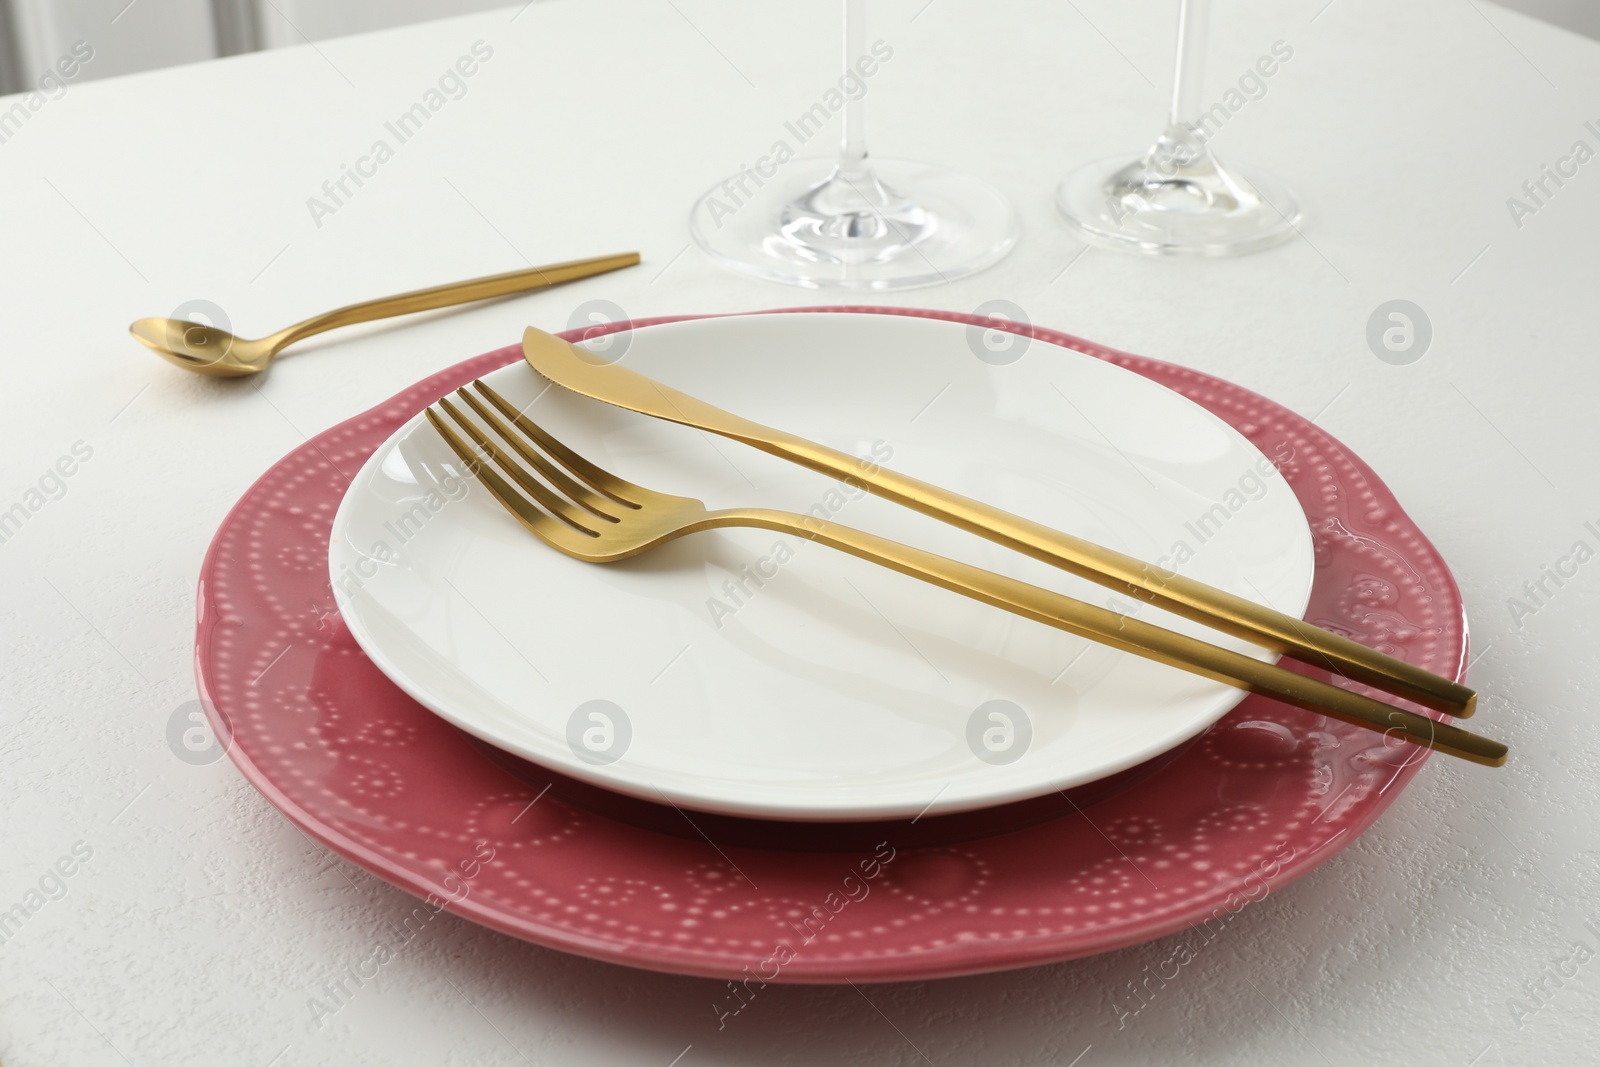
1128 634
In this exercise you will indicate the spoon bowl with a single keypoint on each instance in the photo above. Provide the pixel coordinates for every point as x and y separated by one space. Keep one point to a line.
203 349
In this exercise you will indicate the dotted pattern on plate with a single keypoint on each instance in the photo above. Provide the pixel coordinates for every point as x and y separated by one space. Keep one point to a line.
1269 793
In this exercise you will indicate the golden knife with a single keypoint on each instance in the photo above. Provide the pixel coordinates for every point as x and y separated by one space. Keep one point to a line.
583 372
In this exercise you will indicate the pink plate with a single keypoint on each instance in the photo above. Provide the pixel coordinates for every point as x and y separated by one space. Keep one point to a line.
1266 795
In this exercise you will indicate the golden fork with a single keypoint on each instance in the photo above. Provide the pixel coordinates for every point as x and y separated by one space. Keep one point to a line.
212 351
579 509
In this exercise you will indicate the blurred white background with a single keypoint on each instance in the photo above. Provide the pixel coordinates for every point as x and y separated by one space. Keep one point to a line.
134 35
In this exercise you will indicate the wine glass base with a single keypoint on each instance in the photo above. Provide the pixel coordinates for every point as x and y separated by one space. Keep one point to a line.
943 225
1115 203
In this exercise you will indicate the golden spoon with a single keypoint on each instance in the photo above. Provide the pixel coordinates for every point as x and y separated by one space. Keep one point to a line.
216 352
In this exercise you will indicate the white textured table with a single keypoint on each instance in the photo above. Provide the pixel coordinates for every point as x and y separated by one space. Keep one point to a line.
201 923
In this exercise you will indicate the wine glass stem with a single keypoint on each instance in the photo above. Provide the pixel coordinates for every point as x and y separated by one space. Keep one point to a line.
1193 19
853 147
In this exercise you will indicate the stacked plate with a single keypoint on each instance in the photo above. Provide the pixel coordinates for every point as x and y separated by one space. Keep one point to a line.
743 753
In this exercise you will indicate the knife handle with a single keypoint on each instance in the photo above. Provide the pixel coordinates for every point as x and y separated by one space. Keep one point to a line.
1217 608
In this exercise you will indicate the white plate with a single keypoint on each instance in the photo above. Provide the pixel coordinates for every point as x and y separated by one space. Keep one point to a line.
825 688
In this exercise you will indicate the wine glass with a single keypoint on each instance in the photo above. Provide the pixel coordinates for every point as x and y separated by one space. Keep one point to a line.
863 224
1178 198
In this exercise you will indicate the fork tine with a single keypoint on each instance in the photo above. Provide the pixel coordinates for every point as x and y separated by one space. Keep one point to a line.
556 477
530 485
537 522
602 481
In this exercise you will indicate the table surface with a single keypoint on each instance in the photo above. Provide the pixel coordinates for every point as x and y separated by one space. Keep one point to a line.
1458 931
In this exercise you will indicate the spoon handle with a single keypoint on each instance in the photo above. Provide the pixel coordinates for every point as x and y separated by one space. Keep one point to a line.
439 296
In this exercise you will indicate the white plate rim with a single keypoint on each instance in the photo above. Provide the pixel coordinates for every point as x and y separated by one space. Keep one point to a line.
1224 700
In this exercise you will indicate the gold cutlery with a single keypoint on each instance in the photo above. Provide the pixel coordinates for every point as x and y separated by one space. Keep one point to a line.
579 509
217 353
585 373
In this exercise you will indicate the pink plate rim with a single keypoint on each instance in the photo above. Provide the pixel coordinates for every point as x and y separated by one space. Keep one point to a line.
1446 653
